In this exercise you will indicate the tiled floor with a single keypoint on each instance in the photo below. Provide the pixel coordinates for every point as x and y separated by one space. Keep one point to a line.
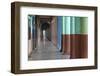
47 51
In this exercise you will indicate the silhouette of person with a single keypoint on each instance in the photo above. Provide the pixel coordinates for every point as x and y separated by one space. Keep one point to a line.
44 27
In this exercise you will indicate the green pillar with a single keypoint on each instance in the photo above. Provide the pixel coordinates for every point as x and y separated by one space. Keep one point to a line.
77 25
72 25
66 24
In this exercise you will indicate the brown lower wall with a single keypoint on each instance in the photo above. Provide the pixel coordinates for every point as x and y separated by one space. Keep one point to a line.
84 46
66 44
75 45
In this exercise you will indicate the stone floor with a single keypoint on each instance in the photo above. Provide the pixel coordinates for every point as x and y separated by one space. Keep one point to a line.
47 51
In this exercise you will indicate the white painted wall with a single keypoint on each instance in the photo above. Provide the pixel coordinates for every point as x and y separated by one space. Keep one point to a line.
5 35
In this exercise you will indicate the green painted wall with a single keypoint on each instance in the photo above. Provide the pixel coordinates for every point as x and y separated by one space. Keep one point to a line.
75 25
84 25
72 25
66 25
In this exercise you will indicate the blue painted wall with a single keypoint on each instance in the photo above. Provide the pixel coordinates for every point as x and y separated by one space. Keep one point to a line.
59 31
